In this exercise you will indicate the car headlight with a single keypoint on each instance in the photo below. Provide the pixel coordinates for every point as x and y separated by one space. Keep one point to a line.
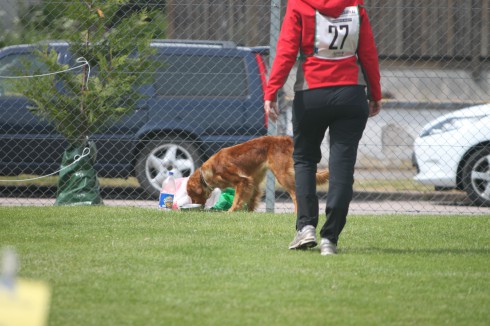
450 124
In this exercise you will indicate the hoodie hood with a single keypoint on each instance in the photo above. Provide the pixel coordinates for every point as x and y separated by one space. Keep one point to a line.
332 8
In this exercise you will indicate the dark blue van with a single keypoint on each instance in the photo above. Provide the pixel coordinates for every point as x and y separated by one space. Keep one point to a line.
205 96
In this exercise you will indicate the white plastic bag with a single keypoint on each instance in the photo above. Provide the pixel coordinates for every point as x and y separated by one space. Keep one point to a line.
213 198
181 198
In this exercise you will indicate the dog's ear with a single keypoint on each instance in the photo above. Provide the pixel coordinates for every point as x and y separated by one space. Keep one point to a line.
195 190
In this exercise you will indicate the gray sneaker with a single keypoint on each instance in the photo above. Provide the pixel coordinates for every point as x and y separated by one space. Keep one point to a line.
327 247
305 238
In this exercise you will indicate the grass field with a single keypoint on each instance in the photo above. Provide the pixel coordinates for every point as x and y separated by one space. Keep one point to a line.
132 266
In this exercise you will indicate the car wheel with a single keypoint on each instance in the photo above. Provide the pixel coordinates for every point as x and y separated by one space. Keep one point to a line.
160 156
476 177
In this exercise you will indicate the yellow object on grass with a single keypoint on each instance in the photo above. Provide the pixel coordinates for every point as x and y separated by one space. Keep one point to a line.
25 303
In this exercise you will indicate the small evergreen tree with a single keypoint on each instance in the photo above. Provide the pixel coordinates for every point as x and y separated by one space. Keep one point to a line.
79 104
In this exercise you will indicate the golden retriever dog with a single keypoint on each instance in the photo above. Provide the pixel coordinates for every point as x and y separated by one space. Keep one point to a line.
244 167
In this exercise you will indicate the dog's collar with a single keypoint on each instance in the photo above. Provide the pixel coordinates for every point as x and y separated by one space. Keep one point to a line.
203 181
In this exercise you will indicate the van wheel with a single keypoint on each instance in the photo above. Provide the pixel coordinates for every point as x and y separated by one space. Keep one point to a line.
476 177
159 156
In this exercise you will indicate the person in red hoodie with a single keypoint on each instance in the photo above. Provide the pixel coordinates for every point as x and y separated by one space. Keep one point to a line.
337 88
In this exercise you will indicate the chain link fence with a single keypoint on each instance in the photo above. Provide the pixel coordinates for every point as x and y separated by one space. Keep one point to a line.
420 154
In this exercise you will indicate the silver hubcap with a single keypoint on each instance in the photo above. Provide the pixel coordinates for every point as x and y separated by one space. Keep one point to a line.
165 158
480 177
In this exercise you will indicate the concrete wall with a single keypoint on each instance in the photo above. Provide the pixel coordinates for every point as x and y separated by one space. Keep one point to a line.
417 96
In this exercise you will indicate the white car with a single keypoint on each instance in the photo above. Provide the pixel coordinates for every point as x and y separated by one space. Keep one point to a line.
453 151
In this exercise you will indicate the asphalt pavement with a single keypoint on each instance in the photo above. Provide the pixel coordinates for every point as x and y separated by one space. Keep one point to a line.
364 202
386 203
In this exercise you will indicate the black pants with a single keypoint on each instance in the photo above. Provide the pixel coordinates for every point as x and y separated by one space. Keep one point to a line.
343 110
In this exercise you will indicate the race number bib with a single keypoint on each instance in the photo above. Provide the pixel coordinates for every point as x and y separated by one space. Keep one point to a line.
337 38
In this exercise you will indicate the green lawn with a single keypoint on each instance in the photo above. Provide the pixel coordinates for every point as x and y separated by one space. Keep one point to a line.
133 266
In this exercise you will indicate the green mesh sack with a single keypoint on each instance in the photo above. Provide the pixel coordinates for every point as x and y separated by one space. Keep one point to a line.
225 200
78 183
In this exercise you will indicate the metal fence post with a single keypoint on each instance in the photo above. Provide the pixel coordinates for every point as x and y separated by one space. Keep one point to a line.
477 22
270 186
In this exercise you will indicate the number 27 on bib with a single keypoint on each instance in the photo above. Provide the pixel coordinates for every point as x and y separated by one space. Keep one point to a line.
337 38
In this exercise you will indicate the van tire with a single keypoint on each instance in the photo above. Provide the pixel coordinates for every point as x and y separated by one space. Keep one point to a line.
162 155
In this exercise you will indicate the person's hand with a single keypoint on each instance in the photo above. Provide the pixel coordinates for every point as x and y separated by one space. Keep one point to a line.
374 108
272 110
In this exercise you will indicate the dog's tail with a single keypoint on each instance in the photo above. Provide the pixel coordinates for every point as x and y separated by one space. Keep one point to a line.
322 176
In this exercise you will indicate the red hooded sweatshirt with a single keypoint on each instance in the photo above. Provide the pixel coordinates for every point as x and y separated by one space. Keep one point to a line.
335 44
